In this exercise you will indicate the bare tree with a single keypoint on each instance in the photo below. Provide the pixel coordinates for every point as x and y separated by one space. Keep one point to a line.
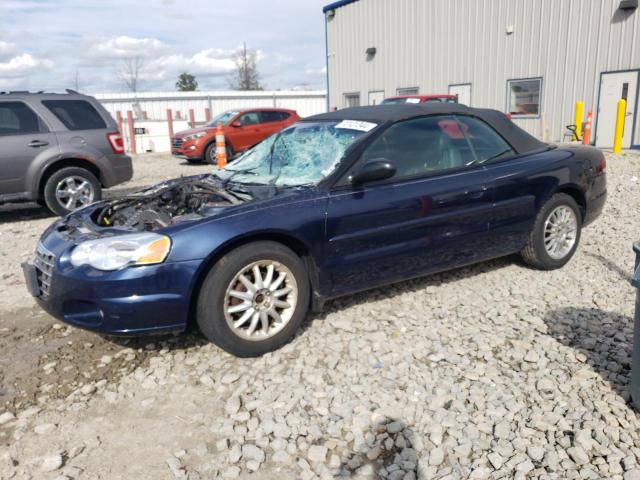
130 73
246 76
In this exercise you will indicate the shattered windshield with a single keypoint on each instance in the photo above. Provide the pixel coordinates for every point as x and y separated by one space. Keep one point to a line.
303 154
223 118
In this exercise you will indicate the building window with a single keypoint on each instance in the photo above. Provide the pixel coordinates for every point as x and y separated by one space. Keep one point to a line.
523 97
407 91
352 99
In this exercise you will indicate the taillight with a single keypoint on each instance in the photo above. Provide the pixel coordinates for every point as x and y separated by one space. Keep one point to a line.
116 142
602 166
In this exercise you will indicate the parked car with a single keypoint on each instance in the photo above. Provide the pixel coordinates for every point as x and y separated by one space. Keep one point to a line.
443 98
334 204
242 130
58 149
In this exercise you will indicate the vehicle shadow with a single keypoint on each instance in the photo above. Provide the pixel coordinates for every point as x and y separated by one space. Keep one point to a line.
390 448
604 338
192 337
20 212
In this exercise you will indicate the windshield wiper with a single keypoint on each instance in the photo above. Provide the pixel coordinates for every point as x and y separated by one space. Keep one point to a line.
245 171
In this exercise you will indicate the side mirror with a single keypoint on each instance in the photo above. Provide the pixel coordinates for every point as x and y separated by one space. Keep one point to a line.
376 169
236 124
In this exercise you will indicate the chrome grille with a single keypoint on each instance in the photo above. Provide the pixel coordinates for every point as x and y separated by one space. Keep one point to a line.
176 142
44 263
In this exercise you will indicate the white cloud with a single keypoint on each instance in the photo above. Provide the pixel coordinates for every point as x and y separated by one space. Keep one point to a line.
23 65
172 38
125 46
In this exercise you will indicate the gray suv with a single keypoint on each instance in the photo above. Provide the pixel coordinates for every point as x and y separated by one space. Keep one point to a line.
58 150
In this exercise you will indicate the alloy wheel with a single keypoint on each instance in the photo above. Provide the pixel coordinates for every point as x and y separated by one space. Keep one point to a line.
560 232
74 192
260 300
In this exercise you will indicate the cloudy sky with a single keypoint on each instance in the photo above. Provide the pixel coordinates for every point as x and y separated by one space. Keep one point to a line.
43 43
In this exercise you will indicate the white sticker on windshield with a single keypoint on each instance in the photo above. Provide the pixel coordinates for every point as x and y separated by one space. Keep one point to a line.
356 125
413 100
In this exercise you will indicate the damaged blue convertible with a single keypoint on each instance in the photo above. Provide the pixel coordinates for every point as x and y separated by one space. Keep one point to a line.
334 204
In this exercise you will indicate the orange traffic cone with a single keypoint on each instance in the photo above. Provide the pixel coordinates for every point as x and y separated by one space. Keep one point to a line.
221 150
587 129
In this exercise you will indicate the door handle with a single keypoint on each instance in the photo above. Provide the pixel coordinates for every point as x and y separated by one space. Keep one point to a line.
37 144
476 193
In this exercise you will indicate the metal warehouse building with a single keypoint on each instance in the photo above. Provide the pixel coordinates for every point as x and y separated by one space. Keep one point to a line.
531 58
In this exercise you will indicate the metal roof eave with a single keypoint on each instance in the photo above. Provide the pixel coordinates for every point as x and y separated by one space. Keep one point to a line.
338 4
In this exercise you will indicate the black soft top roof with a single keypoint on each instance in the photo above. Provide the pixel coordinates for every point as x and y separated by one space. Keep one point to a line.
520 140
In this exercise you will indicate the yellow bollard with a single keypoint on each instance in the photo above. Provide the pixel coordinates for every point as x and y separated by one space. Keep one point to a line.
577 119
620 115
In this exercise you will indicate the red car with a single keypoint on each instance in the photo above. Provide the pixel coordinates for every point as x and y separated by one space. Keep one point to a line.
444 98
242 130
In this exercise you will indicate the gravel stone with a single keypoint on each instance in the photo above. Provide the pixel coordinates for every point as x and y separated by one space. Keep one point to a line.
541 363
632 475
578 455
317 453
535 453
52 462
251 452
231 472
436 457
6 417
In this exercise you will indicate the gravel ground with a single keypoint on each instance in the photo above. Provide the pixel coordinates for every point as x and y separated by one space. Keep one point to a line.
492 371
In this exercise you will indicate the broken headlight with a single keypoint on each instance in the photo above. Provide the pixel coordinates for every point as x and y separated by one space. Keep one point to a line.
121 251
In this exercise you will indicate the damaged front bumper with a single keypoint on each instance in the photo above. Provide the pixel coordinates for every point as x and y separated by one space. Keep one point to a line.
131 301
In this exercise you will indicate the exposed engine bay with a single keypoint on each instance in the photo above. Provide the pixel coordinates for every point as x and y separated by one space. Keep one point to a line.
168 203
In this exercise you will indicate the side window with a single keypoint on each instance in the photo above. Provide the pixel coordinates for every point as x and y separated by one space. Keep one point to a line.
76 114
284 116
16 118
268 116
250 118
420 146
484 141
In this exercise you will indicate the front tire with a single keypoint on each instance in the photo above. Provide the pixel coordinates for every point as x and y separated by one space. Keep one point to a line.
71 188
254 299
210 154
555 234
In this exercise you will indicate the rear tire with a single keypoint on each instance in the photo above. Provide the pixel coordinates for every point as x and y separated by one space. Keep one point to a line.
231 310
555 235
71 188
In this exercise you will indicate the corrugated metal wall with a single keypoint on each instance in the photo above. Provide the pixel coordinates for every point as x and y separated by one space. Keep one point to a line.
156 103
432 44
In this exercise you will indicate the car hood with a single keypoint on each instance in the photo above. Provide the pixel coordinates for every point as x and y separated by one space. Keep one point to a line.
191 131
170 205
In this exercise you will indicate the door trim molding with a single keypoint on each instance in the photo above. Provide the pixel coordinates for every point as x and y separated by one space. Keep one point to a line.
635 110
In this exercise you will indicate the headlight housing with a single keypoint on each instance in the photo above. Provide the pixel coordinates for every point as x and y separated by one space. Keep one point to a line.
121 251
194 136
